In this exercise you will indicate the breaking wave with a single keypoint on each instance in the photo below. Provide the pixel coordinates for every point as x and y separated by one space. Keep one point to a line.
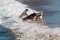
9 17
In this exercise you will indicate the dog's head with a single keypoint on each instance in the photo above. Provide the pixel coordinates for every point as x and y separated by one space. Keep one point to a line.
39 16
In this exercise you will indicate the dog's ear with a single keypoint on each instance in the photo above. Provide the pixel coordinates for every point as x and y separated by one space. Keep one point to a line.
41 13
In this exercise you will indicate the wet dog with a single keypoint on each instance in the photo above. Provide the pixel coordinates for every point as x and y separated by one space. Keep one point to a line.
34 17
30 17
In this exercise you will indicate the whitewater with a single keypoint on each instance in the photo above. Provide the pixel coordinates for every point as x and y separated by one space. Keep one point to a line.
10 11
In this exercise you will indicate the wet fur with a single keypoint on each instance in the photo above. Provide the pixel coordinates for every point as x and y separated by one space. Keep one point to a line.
32 17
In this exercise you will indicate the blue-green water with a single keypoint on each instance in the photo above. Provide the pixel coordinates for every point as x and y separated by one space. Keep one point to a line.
5 34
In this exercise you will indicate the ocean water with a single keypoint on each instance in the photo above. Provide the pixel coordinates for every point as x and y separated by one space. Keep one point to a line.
6 34
10 11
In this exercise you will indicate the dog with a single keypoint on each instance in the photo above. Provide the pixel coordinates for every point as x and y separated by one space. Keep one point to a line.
30 17
34 17
40 17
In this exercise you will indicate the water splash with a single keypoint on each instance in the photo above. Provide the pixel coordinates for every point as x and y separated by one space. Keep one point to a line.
25 30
